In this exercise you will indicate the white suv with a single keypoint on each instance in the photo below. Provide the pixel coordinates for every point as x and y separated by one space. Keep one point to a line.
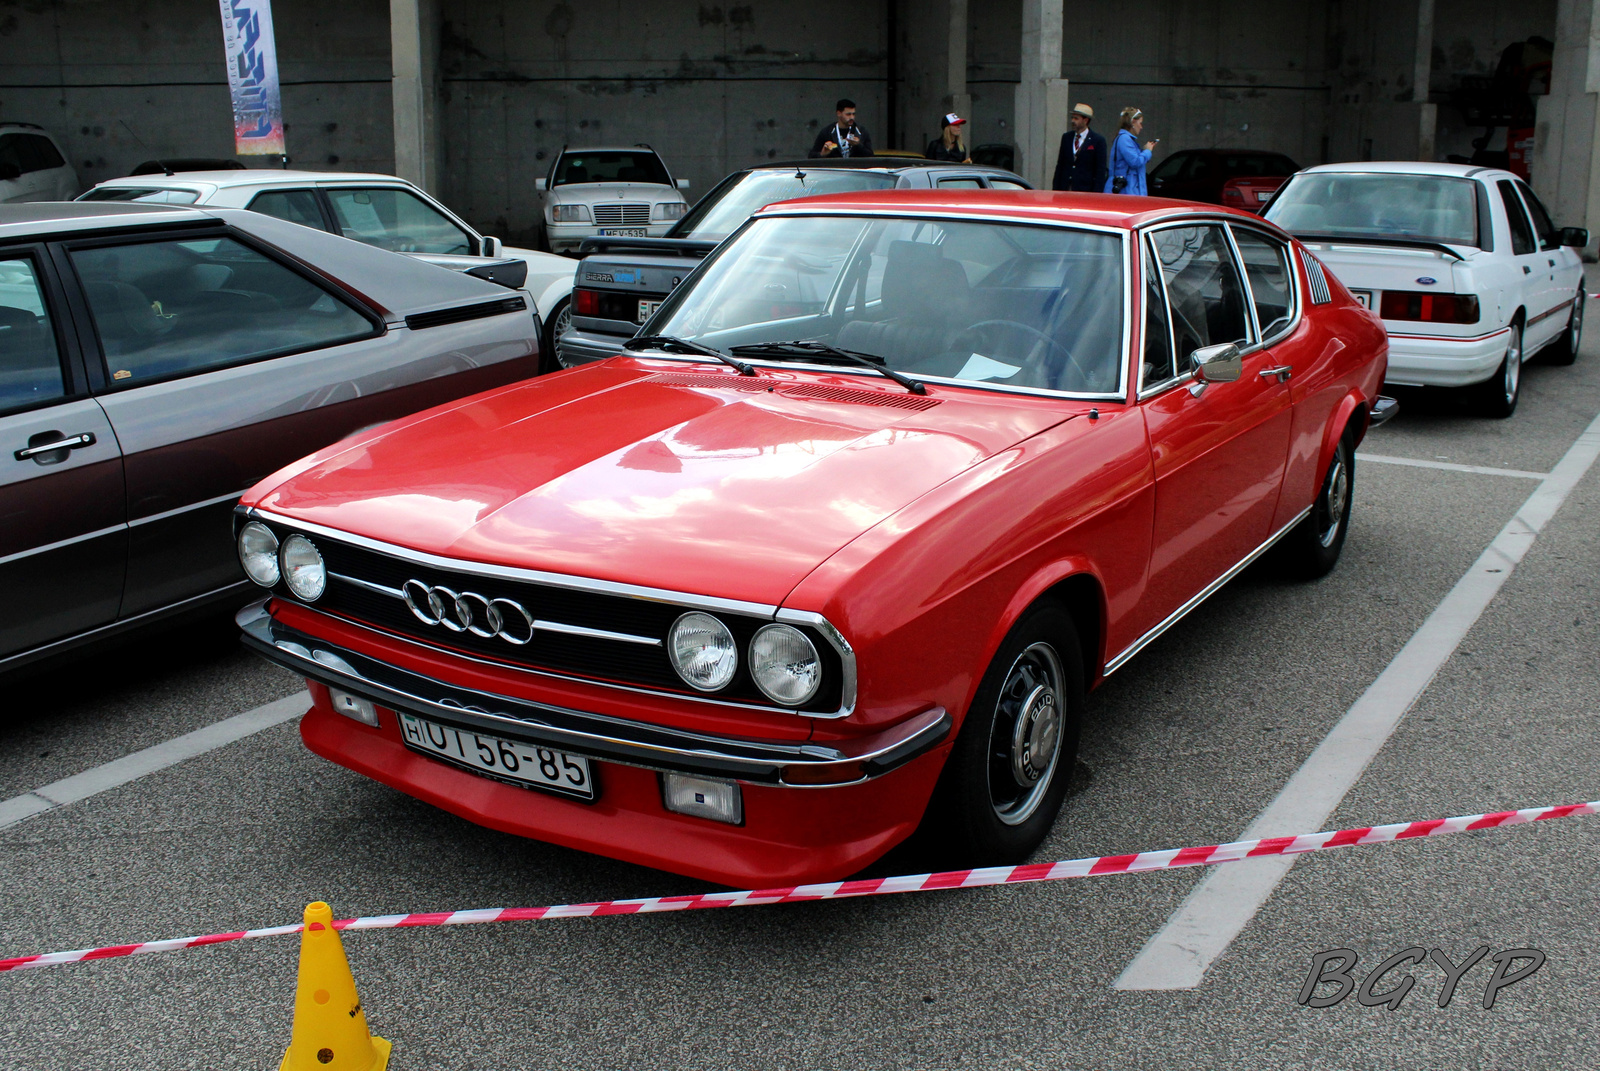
32 166
379 210
621 192
1470 275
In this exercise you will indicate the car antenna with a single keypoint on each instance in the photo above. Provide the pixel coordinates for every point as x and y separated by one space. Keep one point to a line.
145 147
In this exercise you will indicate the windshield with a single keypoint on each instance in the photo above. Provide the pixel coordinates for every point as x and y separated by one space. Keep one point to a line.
1007 304
147 194
722 210
1433 208
619 166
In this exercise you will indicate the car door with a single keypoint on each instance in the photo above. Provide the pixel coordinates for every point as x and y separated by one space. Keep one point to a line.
1529 271
1218 449
1553 269
63 536
217 364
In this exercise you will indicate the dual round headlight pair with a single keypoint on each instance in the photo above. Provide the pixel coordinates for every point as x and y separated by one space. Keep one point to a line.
783 661
297 562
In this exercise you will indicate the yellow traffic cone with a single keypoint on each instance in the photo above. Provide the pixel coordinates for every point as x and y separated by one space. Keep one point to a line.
330 1029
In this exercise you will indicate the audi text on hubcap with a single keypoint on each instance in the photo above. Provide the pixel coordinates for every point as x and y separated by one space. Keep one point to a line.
1025 742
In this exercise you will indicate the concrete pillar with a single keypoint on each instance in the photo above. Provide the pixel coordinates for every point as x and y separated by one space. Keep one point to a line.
414 47
1565 166
1421 76
933 66
1041 109
957 99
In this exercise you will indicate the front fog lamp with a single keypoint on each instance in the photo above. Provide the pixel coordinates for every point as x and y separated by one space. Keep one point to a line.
703 651
785 665
303 569
720 801
258 553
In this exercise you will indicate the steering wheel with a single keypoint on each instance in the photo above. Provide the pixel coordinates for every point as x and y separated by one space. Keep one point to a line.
1033 364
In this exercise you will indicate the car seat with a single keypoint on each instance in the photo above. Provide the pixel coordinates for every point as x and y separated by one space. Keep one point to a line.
924 295
29 367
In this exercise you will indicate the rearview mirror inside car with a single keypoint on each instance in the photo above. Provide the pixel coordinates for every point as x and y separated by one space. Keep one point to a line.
1578 237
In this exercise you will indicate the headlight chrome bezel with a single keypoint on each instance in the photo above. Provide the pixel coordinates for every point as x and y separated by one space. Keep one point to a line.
729 661
756 664
255 530
573 213
314 568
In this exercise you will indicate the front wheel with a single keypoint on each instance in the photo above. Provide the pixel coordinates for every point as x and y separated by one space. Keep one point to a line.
550 341
1497 396
1311 549
1565 349
1008 771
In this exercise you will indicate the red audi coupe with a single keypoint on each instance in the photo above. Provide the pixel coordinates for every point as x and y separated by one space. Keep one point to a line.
837 546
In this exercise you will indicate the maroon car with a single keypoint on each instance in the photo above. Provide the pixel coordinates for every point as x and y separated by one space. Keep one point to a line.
155 361
1201 174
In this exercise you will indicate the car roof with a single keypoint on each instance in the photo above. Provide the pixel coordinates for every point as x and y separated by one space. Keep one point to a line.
1232 152
608 148
1102 209
873 163
1407 167
250 176
29 218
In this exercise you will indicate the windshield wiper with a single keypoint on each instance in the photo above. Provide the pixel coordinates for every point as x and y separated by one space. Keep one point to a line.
683 345
803 348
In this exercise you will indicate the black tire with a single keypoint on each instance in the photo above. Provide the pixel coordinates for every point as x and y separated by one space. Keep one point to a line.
1312 547
1564 350
1001 790
1497 396
560 317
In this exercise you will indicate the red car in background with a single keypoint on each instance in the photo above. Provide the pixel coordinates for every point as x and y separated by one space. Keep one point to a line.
1204 174
1252 192
838 547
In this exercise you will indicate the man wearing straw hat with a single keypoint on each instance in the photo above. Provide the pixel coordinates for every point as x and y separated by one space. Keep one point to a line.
1081 163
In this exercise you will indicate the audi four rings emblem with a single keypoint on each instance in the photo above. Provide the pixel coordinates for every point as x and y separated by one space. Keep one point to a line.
467 611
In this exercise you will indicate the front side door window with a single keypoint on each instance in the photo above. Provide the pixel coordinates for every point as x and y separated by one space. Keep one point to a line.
397 220
30 365
1205 293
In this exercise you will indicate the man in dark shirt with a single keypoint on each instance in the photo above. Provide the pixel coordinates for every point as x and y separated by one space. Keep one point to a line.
1082 162
843 138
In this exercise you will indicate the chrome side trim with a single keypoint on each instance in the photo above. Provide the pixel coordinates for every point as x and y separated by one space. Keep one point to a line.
58 544
596 735
67 643
1209 590
231 497
847 657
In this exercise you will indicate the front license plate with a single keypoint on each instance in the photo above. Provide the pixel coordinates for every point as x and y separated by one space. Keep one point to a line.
502 760
624 232
647 309
1363 296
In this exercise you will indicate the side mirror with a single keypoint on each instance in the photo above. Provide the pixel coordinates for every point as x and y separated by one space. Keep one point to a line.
9 172
491 246
541 184
1215 364
683 184
1576 237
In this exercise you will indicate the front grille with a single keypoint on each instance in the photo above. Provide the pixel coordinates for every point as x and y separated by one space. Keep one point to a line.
621 214
585 656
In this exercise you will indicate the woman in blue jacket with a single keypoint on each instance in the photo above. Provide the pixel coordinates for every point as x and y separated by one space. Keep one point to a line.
1126 174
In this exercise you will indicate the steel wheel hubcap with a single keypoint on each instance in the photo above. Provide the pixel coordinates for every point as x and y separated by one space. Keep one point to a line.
1025 741
1335 495
558 328
1513 365
1577 321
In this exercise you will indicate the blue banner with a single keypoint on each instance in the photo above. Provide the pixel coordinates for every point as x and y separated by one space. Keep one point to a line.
253 77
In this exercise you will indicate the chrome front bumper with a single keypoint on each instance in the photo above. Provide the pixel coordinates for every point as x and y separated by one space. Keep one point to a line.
599 736
1383 410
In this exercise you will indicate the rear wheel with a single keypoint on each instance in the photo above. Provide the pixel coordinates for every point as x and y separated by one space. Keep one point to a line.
1008 772
550 340
1565 349
1497 396
1312 547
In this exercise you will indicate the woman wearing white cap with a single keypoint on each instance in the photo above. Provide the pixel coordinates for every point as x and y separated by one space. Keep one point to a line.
948 146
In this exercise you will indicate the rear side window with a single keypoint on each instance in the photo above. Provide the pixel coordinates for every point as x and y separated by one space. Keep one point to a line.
296 206
172 308
1204 289
1549 238
1005 184
1521 231
39 153
30 365
397 220
960 184
1266 266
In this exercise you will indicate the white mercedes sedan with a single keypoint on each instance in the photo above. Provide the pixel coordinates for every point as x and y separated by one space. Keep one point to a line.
1464 264
617 192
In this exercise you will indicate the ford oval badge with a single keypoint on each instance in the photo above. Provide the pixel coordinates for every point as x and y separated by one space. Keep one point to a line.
1425 281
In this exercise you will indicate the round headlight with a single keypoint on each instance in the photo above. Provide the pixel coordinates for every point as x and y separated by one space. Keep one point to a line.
258 553
785 665
303 568
703 651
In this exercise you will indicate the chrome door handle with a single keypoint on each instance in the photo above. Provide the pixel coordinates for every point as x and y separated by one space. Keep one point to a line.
83 439
1281 373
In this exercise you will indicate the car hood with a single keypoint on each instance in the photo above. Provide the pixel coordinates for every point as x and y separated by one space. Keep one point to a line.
657 474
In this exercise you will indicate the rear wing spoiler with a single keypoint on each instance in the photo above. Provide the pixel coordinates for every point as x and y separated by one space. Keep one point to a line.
1402 243
689 247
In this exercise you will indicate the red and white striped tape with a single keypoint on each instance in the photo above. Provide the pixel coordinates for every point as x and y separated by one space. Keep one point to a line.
836 890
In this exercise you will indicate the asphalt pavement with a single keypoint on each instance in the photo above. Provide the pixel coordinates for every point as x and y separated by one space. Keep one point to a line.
1185 745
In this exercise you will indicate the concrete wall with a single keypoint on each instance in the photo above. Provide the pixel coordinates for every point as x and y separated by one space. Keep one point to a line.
85 68
1468 37
712 88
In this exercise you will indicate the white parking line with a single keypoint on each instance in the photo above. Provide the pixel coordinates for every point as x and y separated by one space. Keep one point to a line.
168 753
1450 466
1206 923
